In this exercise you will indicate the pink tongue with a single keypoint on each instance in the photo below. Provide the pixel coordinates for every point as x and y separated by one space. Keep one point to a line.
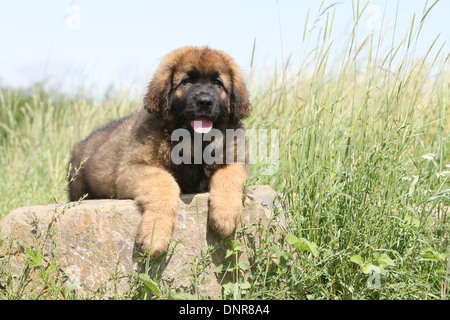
202 124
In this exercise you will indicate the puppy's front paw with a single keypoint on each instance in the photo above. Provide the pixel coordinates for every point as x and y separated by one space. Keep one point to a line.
154 241
224 219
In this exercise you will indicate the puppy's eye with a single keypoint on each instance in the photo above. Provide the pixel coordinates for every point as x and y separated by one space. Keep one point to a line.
218 82
186 80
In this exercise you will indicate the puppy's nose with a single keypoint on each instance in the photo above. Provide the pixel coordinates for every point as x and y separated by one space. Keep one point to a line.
204 101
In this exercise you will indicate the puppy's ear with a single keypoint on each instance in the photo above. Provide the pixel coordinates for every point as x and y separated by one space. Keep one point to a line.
157 98
240 107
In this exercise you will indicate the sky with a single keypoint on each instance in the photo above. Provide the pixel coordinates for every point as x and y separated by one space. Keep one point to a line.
100 43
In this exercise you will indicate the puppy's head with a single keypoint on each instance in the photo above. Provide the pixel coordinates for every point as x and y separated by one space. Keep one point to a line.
198 88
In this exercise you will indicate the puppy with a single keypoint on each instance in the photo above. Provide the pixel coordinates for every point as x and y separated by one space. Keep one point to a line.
197 90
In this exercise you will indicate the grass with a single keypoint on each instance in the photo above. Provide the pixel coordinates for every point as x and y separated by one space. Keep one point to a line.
363 168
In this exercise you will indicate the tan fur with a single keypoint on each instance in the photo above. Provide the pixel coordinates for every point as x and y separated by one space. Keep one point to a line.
226 198
130 158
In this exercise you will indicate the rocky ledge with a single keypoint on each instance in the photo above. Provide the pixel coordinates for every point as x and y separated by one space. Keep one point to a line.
94 239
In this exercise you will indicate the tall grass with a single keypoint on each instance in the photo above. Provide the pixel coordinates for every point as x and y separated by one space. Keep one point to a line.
38 128
364 145
363 158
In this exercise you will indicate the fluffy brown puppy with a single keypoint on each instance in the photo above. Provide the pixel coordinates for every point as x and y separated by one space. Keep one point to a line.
196 89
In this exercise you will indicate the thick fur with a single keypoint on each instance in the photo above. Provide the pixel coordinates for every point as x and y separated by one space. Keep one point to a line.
130 158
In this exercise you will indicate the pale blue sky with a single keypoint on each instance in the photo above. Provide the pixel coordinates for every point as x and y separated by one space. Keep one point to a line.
121 42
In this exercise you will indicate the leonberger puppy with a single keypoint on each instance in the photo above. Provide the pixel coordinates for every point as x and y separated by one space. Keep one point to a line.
195 89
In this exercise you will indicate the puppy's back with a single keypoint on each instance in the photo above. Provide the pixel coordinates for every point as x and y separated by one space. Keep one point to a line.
102 149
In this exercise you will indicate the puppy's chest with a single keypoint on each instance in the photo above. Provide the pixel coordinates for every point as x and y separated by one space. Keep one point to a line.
194 178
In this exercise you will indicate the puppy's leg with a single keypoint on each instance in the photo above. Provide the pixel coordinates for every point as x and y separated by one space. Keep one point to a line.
226 198
158 193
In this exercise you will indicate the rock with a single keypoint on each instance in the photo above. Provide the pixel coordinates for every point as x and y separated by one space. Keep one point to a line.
94 240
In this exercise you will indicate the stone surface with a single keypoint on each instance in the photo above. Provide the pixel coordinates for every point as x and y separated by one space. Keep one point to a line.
94 239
